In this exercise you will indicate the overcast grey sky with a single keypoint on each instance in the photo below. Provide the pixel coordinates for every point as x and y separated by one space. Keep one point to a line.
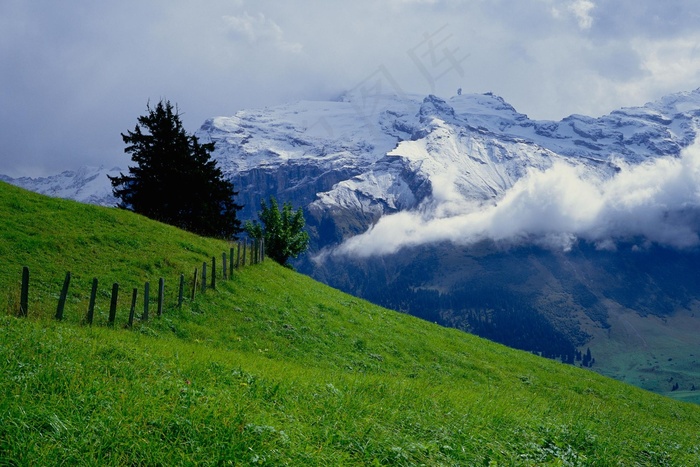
75 74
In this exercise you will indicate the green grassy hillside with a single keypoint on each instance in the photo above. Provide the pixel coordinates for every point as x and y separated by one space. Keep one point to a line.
273 368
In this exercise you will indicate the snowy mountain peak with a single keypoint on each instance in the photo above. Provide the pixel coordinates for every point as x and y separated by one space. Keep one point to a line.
434 107
367 155
481 105
86 184
686 102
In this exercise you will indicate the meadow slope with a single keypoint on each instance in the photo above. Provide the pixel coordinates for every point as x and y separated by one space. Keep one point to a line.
272 368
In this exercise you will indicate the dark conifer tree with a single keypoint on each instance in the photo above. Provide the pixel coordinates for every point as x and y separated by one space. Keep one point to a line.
175 180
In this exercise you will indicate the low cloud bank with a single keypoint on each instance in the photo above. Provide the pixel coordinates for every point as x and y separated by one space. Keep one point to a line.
658 201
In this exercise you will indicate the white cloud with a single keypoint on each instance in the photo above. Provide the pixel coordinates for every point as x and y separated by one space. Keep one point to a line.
582 10
579 9
258 29
658 201
671 60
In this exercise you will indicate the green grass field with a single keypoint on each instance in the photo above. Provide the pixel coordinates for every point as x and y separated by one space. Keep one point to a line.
272 368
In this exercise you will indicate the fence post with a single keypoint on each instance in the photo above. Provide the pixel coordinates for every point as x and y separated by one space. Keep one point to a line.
132 310
255 251
161 291
181 291
230 263
238 255
245 247
262 248
194 283
24 294
213 272
113 305
62 297
204 276
224 268
91 305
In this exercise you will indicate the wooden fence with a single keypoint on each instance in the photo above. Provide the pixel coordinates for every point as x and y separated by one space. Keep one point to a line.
245 254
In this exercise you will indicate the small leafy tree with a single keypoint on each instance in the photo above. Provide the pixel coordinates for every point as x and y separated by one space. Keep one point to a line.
283 231
175 180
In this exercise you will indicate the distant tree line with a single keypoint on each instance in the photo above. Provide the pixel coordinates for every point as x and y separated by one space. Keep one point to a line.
492 313
518 327
586 359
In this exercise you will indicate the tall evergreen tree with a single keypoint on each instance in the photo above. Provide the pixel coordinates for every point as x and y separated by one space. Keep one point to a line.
175 180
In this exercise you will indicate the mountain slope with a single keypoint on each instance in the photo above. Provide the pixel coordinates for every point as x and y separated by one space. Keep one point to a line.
273 368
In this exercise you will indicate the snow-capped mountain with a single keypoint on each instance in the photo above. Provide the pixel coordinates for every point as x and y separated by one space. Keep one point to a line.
355 159
87 184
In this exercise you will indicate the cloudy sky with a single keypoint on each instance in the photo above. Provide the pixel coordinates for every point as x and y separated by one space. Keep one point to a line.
77 73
